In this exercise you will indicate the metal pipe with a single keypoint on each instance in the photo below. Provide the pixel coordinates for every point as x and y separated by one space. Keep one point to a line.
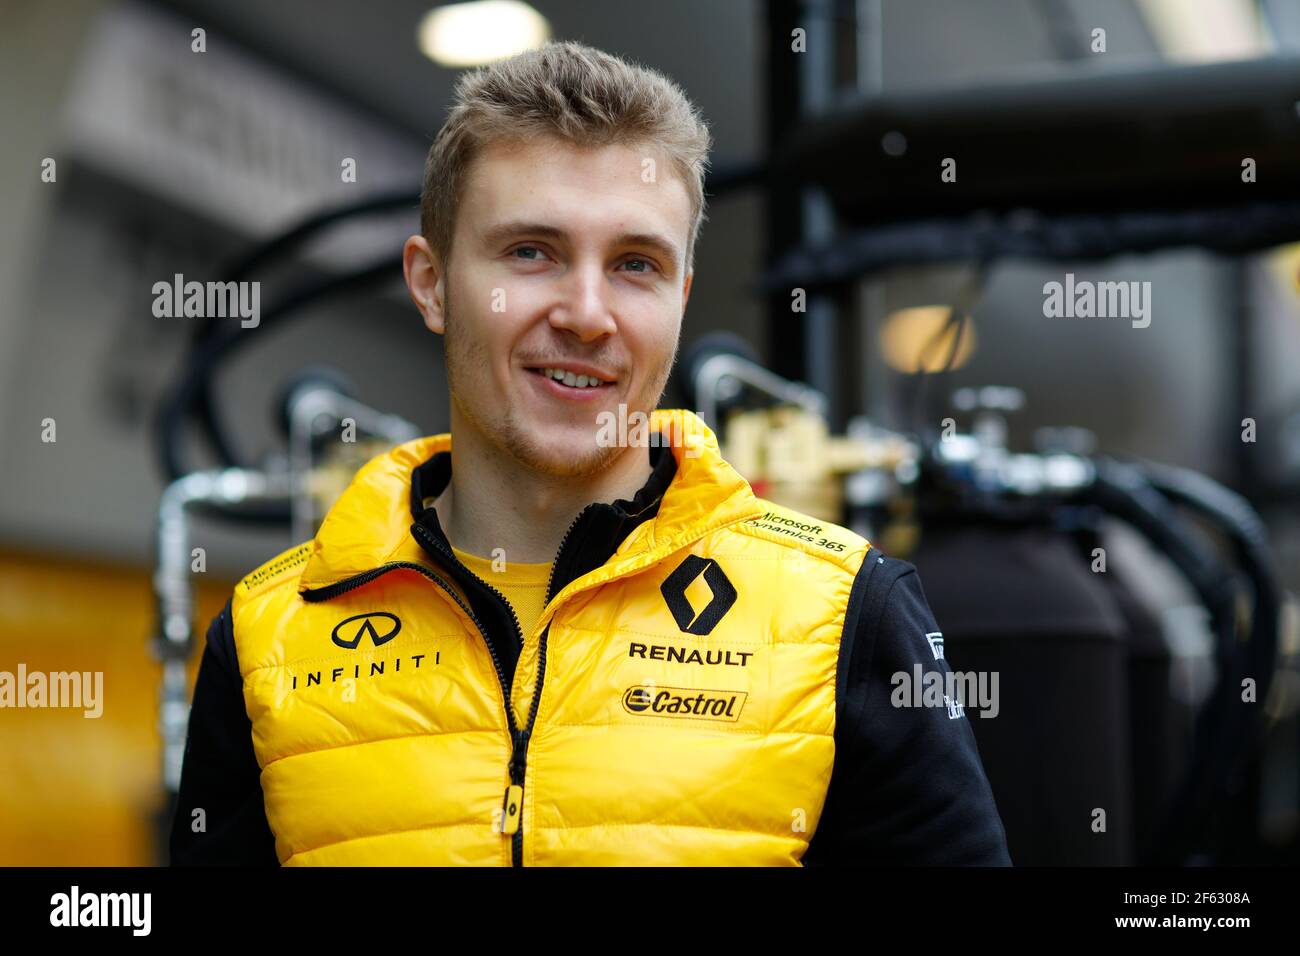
307 410
173 587
713 371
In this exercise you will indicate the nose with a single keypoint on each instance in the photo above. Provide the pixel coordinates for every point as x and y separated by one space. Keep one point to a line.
583 308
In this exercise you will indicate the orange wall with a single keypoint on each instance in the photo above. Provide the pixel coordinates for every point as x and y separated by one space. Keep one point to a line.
76 790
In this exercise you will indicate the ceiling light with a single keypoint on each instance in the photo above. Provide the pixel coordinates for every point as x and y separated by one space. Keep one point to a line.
1205 32
472 34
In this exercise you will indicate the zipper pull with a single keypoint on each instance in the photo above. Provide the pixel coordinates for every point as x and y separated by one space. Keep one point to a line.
513 802
511 807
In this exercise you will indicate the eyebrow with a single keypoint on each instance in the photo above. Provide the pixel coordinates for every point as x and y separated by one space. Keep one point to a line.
517 227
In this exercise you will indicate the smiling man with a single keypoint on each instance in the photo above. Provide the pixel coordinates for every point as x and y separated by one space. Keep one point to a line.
560 294
532 645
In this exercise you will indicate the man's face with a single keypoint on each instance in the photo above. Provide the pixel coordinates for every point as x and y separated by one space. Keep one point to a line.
570 259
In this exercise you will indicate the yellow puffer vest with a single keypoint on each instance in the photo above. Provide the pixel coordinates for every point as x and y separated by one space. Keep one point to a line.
674 706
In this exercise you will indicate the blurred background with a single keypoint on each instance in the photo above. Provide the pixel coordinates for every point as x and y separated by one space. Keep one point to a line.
1103 510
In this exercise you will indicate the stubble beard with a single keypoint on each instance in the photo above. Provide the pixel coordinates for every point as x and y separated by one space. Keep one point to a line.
469 361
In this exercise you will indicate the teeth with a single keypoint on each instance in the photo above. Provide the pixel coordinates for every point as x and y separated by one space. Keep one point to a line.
573 381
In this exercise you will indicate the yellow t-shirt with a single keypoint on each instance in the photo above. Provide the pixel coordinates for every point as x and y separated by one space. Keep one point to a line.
524 585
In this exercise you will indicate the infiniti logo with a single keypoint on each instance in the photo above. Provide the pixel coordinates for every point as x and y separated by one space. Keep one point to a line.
381 627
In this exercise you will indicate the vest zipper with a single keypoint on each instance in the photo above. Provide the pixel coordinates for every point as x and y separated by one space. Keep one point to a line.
512 801
426 538
550 580
519 758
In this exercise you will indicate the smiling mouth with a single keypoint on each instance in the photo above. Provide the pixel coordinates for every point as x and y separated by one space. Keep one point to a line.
572 380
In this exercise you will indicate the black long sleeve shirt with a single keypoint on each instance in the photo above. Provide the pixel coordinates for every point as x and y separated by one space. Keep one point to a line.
907 785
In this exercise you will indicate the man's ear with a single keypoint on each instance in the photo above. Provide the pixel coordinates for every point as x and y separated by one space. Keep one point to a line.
425 280
686 289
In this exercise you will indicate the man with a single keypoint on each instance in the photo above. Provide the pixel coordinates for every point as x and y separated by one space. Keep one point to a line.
556 640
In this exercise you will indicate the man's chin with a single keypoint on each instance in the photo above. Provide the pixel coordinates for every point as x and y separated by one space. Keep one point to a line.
573 458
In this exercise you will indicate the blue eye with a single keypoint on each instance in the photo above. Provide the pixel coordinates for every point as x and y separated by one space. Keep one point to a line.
528 249
650 267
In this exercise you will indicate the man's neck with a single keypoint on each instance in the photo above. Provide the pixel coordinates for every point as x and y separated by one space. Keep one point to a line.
495 502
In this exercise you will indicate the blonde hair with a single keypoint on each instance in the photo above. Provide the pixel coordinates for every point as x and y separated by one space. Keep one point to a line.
571 92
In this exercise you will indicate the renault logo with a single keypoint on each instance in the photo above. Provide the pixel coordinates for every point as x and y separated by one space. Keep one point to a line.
381 627
674 592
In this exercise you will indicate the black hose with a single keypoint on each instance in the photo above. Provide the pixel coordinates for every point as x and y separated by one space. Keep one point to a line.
205 405
204 360
1126 492
1256 658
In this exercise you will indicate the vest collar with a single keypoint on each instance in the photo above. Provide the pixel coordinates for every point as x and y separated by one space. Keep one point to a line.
593 537
691 491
